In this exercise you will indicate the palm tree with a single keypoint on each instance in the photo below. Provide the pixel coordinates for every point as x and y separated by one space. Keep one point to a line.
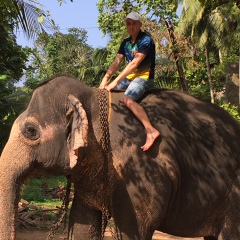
214 26
206 27
28 15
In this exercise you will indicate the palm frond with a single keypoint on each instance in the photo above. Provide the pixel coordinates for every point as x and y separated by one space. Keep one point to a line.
28 14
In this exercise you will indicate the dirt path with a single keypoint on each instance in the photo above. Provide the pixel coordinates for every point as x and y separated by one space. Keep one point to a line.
42 235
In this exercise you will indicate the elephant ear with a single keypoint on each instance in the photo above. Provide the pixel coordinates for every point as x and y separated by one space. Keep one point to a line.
79 129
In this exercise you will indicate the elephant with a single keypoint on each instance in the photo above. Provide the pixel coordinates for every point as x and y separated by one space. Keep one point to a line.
187 184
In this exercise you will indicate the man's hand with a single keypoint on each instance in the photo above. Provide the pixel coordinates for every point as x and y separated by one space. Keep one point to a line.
112 69
103 85
111 85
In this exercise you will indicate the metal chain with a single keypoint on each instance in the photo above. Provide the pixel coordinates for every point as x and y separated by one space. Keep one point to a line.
103 108
64 209
105 142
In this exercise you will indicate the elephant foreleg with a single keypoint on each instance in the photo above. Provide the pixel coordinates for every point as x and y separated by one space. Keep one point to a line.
84 223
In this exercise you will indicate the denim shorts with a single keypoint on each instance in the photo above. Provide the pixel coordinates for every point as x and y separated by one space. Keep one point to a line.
135 88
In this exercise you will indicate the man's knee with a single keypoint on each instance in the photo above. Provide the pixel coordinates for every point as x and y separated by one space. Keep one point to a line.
127 101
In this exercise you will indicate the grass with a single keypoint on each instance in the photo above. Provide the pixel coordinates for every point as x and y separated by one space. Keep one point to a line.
48 203
34 190
37 191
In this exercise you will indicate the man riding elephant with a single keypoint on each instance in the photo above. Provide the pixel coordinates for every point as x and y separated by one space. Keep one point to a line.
137 77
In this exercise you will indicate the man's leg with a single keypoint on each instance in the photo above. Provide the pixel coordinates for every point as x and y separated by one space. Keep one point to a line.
140 113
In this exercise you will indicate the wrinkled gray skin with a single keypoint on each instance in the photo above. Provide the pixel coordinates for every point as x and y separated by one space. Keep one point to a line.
187 184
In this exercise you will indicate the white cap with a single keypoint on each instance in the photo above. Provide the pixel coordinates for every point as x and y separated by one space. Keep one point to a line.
134 16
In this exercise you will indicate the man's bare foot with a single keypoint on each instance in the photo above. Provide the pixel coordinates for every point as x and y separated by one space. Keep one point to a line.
152 135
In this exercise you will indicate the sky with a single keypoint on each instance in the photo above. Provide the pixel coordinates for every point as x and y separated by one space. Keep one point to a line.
79 13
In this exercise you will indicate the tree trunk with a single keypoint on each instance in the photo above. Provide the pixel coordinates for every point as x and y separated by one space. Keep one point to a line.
209 74
173 39
220 56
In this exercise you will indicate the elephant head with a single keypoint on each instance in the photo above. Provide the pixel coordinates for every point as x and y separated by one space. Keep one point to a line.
44 139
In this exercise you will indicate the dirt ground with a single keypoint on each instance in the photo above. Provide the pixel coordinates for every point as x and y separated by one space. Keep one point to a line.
42 235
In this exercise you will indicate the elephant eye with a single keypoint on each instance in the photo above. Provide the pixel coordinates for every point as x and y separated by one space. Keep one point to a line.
31 131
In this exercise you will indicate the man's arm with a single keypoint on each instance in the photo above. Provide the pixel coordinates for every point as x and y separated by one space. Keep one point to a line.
111 70
130 68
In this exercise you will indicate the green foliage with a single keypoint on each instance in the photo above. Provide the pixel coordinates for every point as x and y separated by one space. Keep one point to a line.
232 110
198 82
33 189
12 102
65 54
166 82
220 70
201 91
12 56
12 64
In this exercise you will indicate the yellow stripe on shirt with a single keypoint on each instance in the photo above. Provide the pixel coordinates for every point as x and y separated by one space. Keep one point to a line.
138 75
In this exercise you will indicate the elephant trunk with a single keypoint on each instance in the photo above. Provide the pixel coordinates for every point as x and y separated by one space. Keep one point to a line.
13 166
8 210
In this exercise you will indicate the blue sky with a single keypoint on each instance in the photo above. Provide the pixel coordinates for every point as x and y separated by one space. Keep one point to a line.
79 13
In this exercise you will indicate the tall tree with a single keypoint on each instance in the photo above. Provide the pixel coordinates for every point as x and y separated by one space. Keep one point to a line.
210 28
65 54
12 63
32 19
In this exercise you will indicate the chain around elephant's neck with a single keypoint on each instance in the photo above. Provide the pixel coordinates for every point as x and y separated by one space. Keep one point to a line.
104 108
104 113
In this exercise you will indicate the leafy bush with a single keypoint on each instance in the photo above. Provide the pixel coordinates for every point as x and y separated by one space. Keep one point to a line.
232 110
33 190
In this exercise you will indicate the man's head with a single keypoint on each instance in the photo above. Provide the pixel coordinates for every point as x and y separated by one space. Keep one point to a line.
133 23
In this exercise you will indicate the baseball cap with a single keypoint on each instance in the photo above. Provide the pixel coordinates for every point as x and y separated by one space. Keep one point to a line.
134 16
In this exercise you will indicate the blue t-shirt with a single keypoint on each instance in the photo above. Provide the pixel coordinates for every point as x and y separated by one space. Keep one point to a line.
143 44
